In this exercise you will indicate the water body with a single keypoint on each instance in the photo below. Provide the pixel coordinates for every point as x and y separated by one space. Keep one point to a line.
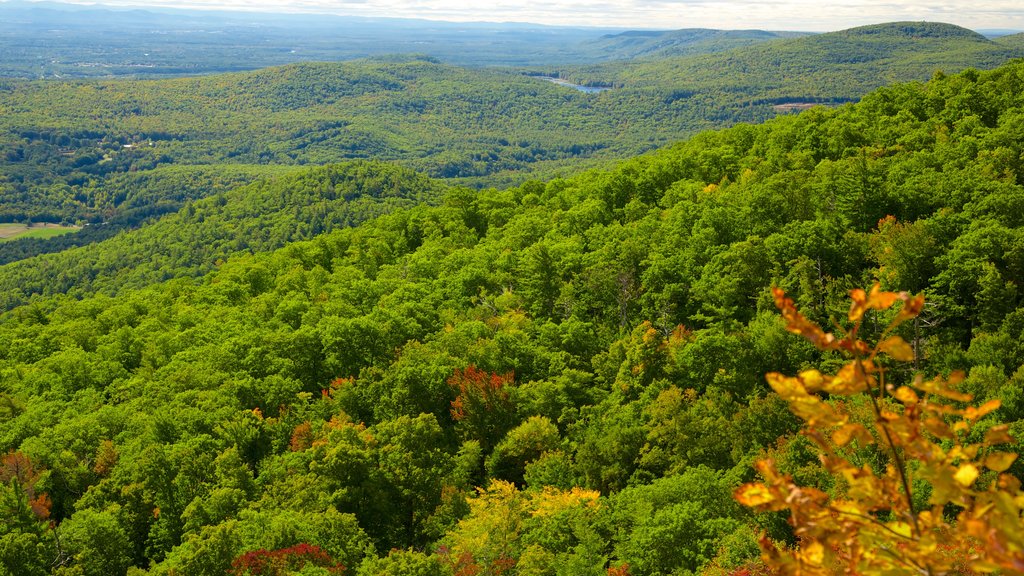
581 88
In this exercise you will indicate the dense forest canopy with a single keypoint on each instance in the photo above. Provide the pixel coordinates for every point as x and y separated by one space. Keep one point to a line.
563 377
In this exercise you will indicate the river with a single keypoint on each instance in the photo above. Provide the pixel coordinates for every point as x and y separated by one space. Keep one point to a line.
581 88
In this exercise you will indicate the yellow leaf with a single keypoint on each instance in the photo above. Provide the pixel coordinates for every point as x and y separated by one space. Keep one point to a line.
813 553
985 566
999 461
944 489
850 379
816 413
905 395
754 495
966 475
786 387
946 390
812 380
844 435
901 528
897 348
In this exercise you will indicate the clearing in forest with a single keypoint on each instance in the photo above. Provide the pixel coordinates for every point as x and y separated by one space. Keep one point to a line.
11 231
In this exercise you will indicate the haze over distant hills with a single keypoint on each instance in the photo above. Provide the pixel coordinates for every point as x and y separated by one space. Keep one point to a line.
658 43
52 39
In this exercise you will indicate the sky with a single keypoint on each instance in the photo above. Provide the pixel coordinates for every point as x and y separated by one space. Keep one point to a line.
809 15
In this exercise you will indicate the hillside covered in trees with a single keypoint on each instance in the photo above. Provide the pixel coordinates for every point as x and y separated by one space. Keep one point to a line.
564 377
69 150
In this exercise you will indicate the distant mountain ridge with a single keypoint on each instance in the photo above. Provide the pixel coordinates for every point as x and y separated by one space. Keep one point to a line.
829 67
912 30
59 40
689 41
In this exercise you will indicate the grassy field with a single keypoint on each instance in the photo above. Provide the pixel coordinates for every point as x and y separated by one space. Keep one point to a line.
39 230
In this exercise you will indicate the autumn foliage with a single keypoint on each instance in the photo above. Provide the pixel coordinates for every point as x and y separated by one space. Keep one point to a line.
482 405
302 437
18 470
875 522
283 561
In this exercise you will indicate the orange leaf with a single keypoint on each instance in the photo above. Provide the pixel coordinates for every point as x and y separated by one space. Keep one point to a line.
797 324
912 308
940 388
937 428
999 461
875 300
998 435
850 379
905 395
973 413
859 304
878 300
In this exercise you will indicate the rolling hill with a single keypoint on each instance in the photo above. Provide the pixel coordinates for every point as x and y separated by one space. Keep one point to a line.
830 67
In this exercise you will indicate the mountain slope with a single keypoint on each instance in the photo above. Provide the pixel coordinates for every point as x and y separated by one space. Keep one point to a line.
1012 40
255 218
836 66
570 370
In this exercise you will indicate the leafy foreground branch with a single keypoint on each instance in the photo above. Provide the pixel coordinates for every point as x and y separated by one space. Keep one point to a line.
875 523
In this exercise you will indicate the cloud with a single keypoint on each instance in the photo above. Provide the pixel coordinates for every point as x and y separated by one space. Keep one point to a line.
663 14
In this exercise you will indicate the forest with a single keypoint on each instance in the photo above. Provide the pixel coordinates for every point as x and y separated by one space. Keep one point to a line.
360 369
99 151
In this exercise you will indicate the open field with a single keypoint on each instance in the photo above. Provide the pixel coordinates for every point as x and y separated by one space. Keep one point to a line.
39 230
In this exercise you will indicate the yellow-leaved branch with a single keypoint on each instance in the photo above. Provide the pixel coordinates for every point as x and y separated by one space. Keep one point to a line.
872 522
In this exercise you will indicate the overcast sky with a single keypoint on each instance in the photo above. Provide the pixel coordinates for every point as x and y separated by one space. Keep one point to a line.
812 15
